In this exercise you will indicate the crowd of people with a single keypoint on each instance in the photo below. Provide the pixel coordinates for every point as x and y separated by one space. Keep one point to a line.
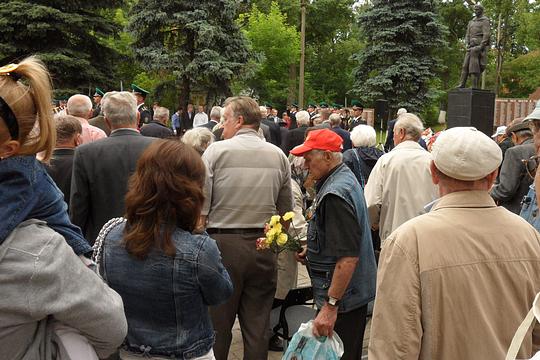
129 234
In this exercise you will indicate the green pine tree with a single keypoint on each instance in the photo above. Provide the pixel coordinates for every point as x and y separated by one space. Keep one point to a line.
400 57
67 35
197 41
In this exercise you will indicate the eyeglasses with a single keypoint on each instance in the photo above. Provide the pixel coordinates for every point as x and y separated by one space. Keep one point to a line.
531 164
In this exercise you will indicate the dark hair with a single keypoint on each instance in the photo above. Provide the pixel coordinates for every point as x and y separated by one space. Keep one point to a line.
165 192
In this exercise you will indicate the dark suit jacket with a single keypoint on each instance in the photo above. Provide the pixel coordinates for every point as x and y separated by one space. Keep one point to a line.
275 133
156 129
99 121
186 121
60 169
100 177
345 135
295 138
210 125
389 143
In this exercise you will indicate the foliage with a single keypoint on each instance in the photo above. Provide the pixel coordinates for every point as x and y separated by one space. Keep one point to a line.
198 42
67 35
277 46
522 75
401 54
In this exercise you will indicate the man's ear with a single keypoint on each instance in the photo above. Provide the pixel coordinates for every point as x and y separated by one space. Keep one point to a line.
78 140
240 122
108 122
434 175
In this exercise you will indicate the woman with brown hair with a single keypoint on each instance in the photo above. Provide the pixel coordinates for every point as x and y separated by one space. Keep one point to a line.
167 275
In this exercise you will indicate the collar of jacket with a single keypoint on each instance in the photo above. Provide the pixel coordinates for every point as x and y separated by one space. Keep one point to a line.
465 199
125 131
408 144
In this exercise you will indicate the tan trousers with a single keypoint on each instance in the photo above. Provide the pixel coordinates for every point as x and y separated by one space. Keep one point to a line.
253 274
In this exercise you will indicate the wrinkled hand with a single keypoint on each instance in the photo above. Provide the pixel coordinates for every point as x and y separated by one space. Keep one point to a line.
323 325
301 256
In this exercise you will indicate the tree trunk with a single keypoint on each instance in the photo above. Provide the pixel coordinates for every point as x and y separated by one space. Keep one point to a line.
291 98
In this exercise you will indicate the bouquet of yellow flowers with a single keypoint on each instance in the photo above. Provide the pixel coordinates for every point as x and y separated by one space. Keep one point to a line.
277 238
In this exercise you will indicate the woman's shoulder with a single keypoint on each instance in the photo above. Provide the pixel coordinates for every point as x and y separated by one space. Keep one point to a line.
193 243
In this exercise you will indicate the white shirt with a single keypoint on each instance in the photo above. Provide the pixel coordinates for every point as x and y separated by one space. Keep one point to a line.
200 119
399 187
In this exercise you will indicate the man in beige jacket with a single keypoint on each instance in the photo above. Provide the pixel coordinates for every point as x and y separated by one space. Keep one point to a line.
400 183
456 283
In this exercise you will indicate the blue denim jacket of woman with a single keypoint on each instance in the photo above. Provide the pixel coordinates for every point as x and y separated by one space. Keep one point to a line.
166 298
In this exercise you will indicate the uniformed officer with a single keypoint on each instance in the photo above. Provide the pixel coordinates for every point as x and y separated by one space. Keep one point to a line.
140 94
98 95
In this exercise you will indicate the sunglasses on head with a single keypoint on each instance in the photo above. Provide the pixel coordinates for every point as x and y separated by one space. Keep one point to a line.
9 118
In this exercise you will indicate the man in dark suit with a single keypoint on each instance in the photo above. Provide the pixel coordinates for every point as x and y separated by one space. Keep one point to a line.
186 122
215 116
145 116
335 123
389 143
101 169
275 133
98 95
357 118
68 137
296 136
157 128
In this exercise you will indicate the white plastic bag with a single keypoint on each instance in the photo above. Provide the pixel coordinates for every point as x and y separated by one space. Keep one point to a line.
523 330
305 346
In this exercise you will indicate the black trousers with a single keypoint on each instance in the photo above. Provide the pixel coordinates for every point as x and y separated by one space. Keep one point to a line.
350 327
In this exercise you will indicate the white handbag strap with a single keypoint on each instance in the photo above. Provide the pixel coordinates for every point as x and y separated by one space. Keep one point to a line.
522 331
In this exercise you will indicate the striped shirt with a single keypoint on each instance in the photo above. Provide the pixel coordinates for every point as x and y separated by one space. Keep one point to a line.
248 180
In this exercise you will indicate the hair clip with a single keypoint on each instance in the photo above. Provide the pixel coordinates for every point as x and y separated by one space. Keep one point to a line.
9 70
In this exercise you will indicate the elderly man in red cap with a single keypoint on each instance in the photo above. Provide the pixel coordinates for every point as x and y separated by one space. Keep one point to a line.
339 250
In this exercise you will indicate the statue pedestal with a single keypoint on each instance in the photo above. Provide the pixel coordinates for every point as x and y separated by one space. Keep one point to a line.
471 107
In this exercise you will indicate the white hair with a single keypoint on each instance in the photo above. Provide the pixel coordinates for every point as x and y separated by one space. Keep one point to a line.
215 113
79 105
264 112
302 118
161 113
336 155
401 111
363 136
199 138
120 107
412 125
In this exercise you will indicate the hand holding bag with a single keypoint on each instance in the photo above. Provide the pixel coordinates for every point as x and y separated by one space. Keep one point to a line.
305 346
523 329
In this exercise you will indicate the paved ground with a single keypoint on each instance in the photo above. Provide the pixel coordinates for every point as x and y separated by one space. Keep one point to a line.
236 352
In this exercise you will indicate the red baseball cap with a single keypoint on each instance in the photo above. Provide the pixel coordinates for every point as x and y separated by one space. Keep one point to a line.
322 139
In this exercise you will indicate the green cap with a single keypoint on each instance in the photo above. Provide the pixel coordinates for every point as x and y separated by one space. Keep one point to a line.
99 92
323 105
312 105
357 104
295 105
139 90
268 105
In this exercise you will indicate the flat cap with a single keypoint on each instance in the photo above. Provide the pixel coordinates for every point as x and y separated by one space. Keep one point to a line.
465 153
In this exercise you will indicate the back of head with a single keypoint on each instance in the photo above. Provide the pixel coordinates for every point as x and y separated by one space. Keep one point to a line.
335 119
363 136
401 111
31 105
161 114
67 126
302 118
263 111
80 106
215 113
199 138
120 107
411 124
246 107
325 114
157 205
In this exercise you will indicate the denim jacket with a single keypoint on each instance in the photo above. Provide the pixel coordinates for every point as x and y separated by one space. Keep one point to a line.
529 208
28 192
166 298
361 289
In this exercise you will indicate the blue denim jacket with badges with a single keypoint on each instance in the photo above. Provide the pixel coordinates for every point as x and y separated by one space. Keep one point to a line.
361 289
28 192
166 298
529 208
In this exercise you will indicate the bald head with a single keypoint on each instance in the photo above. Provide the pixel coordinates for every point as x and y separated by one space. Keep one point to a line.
80 106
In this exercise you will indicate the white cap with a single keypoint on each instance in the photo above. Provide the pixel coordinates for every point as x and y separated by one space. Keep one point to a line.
535 115
501 130
401 111
465 153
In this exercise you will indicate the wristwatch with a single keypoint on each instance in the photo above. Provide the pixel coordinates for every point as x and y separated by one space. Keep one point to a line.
332 301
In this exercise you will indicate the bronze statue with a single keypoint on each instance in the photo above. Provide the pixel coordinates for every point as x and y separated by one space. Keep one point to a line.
477 40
